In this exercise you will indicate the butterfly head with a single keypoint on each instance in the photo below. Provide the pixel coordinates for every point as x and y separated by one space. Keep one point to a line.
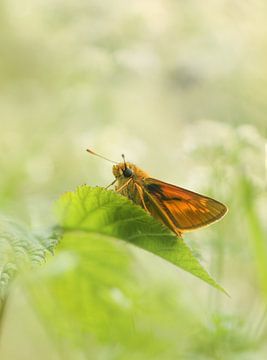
123 169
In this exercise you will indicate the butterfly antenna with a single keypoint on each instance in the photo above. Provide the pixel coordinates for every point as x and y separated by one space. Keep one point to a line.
123 157
102 157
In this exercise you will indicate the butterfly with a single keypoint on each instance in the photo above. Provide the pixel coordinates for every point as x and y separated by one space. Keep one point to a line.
179 209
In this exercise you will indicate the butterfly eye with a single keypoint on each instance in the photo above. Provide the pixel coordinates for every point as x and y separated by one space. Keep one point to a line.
127 172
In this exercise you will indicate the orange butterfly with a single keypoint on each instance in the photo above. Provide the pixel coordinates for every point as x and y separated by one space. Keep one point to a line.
179 209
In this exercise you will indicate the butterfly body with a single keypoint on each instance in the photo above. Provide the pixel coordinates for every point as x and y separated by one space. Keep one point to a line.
179 209
128 186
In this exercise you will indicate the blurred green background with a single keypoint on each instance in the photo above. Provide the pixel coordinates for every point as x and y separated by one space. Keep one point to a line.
181 89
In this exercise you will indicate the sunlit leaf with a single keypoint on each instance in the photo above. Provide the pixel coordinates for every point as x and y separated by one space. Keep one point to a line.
101 212
94 303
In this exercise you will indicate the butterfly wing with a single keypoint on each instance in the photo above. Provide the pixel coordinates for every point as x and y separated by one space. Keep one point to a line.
180 209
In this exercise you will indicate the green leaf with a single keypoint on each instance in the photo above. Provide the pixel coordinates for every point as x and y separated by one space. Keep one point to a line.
98 300
102 212
19 248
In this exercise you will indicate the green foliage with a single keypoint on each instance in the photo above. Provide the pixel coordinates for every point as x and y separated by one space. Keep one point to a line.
19 249
92 292
257 233
94 216
222 337
101 212
88 294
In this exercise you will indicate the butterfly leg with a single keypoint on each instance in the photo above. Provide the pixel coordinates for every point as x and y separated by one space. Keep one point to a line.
140 192
178 233
113 182
124 185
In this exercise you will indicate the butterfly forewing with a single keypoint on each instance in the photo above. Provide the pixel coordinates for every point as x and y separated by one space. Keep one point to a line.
185 210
